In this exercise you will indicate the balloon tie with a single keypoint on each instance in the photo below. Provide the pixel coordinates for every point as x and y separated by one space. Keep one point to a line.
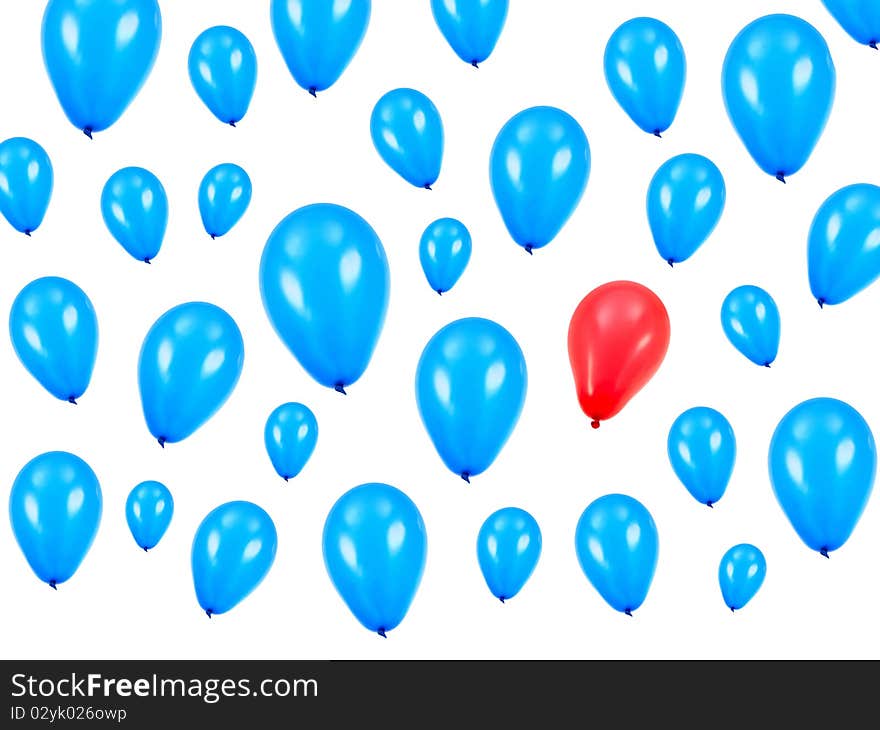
501 598
474 63
87 131
440 292
71 399
873 44
147 260
821 303
161 441
232 124
824 553
710 505
381 632
313 91
209 612
428 186
528 247
627 611
670 262
657 134
781 177
466 476
52 585
339 388
594 424
213 237
146 549
27 232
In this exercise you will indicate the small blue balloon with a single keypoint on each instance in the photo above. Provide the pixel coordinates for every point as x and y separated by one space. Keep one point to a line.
54 332
685 201
98 54
408 135
444 252
471 385
375 547
859 18
778 83
508 548
325 282
741 574
538 169
26 181
189 364
470 27
135 210
224 196
702 450
232 552
290 435
843 252
148 511
223 70
55 509
750 319
617 547
318 39
645 70
822 464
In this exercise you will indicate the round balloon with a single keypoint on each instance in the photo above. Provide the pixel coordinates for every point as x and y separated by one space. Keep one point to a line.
859 18
54 332
375 547
740 575
702 450
471 385
55 508
325 282
508 548
148 511
135 210
538 169
223 71
26 181
750 319
224 196
444 252
189 364
290 435
470 27
98 55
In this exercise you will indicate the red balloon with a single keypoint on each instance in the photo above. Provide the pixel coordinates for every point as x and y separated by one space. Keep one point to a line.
617 339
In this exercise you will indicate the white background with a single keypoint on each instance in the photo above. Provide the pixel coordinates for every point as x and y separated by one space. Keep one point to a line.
123 603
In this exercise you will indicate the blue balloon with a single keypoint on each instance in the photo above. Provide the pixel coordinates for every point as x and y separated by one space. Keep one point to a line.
822 465
318 39
189 364
375 546
26 181
645 69
538 170
148 511
224 196
290 435
408 135
444 252
55 509
843 254
508 548
54 332
232 552
750 319
98 55
859 18
778 83
685 201
741 574
470 27
702 450
223 70
135 210
324 281
617 547
471 385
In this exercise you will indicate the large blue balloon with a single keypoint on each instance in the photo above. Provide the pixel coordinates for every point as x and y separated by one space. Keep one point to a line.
148 511
232 552
54 332
645 69
822 464
318 39
26 181
740 575
55 509
324 280
290 435
224 196
189 364
538 170
843 252
471 385
508 548
444 252
98 54
778 83
470 27
685 201
702 450
408 135
135 210
223 70
375 546
617 547
750 320
859 18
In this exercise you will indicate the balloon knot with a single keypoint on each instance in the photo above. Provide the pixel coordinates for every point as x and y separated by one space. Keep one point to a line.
766 364
732 609
440 292
53 585
824 553
213 236
501 598
821 303
232 123
286 479
780 176
339 388
146 549
381 632
466 476
71 399
147 260
313 91
209 613
710 505
428 186
657 134
873 44
670 262
528 247
27 232
87 131
627 611
161 441
474 63
594 424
